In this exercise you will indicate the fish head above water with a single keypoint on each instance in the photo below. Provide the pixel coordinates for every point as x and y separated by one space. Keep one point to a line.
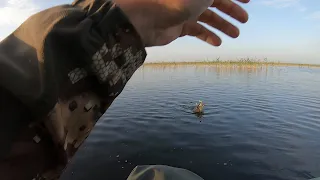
200 103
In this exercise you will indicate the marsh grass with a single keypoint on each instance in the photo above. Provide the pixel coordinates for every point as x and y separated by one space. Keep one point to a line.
247 62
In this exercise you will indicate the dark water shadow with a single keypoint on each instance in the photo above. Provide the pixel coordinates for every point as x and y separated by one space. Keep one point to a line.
199 115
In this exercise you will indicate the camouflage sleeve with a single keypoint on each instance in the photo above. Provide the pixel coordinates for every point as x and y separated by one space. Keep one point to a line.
66 65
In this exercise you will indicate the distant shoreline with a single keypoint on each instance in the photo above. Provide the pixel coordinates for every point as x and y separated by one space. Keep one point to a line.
227 63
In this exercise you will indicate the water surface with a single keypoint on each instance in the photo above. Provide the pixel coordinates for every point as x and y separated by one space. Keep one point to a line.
259 124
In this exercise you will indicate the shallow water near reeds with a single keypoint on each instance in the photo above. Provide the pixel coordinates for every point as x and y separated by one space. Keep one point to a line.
259 123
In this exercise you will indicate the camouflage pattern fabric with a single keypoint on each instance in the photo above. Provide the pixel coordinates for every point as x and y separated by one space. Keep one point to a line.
74 60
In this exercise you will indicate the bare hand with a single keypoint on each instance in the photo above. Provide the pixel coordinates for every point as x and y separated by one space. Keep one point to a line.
160 22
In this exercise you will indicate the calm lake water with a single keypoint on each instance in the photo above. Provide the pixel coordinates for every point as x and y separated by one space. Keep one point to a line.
259 124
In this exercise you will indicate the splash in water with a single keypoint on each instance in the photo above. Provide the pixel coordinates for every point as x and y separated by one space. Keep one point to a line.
199 108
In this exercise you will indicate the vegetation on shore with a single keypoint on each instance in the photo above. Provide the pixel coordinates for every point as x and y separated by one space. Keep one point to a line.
241 62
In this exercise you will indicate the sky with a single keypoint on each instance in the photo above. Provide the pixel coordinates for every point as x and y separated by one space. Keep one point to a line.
277 30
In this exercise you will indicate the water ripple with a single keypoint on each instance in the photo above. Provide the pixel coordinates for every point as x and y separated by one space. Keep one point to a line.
259 124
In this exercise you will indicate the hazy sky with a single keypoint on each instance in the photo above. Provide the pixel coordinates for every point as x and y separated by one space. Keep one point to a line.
280 30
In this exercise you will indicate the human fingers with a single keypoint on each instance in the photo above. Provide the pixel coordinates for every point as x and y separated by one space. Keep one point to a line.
232 9
199 31
214 20
243 1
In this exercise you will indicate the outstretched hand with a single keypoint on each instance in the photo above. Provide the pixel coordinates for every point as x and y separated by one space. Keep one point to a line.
160 22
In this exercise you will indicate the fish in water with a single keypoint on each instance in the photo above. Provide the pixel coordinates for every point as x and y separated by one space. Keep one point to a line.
199 107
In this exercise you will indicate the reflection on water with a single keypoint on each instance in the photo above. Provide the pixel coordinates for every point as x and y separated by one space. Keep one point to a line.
259 123
223 69
199 115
